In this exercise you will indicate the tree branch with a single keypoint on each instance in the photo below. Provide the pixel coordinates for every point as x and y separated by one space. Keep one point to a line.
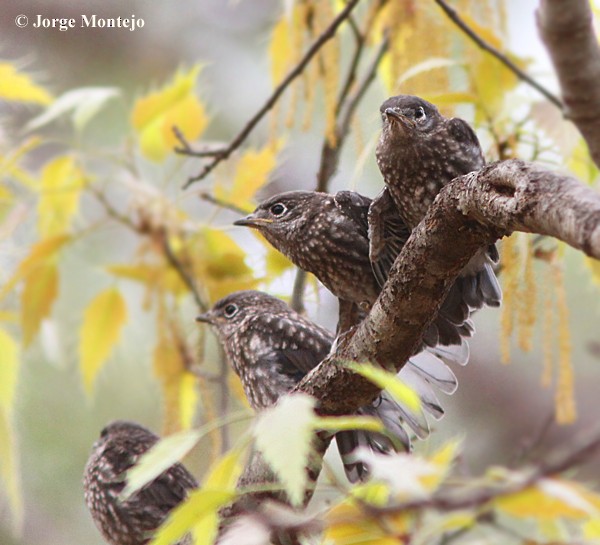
456 19
567 31
471 212
449 499
327 34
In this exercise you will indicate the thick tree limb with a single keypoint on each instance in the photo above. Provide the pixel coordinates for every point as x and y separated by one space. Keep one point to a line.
471 212
566 30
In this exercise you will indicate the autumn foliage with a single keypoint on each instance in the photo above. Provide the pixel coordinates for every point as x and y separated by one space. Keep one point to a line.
181 262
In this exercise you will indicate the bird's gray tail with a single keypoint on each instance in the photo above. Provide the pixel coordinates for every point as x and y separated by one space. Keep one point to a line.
424 373
477 282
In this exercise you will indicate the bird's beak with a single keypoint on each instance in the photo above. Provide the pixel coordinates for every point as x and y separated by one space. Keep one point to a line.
206 317
252 221
399 119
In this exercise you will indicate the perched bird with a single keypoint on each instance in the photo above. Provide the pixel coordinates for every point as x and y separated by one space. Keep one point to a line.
419 151
133 521
327 235
271 347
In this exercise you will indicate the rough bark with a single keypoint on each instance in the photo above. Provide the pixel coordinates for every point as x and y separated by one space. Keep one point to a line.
567 31
469 213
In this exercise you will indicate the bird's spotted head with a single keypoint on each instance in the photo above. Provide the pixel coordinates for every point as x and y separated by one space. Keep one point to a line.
231 312
408 116
123 430
283 214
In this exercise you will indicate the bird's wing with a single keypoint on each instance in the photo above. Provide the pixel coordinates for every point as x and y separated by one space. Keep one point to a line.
387 235
304 346
462 131
168 489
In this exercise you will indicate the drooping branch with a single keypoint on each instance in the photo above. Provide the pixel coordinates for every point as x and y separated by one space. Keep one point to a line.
468 214
224 154
472 34
567 31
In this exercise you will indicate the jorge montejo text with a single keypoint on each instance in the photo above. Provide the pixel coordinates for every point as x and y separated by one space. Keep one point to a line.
89 21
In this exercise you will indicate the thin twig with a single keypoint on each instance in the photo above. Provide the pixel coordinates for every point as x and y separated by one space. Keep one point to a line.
113 212
205 196
457 20
297 302
186 149
327 34
183 273
351 76
330 155
363 86
469 497
345 109
224 399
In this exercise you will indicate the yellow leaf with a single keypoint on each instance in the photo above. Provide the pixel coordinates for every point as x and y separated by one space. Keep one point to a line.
581 164
444 459
10 167
188 399
236 387
62 182
490 78
155 277
591 529
339 423
251 173
102 323
199 505
178 386
221 265
403 393
541 503
39 293
9 470
9 316
281 50
39 253
348 524
176 104
224 473
9 366
18 87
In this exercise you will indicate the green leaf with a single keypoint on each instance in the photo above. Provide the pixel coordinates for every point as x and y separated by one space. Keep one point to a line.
283 434
160 457
83 104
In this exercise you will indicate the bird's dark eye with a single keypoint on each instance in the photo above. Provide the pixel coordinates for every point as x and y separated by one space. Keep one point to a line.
231 311
278 209
420 113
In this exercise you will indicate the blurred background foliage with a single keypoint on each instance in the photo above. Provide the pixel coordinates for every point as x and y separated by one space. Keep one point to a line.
105 260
